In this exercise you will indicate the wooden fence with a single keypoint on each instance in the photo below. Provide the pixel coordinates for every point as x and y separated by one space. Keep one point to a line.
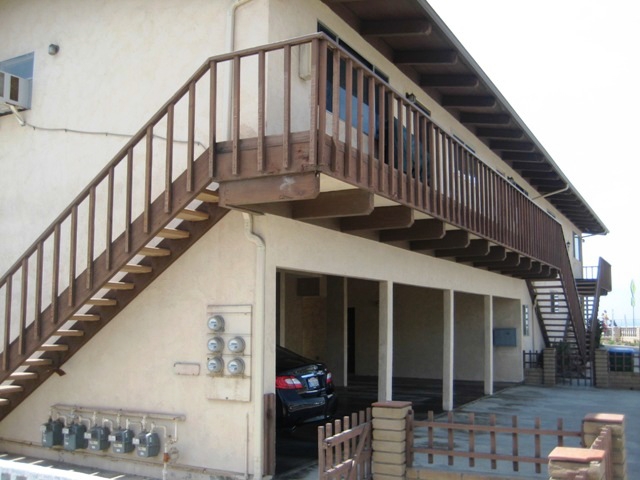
344 448
458 439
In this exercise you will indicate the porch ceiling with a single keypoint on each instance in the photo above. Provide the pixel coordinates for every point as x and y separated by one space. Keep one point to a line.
412 35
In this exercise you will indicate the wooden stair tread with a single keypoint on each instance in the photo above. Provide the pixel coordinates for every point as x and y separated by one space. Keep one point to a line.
4 402
70 333
4 389
133 268
208 196
154 252
85 317
119 286
173 234
23 376
53 347
192 215
36 362
102 302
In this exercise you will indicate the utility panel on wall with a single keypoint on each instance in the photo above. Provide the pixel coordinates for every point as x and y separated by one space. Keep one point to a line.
504 337
227 346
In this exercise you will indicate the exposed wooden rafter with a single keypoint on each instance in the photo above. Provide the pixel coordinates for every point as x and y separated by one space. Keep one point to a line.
461 101
511 145
485 118
492 132
425 57
393 28
449 80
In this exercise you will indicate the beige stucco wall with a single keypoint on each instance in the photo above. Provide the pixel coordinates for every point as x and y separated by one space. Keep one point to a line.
119 61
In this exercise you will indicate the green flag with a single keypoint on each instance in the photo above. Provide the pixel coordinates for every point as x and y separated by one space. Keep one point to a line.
633 293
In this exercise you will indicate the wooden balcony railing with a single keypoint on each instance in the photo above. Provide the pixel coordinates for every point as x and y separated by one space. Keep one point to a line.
286 116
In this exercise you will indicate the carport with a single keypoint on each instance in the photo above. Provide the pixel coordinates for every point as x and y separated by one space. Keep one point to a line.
385 340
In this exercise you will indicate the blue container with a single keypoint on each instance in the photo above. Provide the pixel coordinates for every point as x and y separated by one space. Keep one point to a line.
621 359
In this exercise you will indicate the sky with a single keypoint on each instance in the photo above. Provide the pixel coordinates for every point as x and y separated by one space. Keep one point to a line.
570 69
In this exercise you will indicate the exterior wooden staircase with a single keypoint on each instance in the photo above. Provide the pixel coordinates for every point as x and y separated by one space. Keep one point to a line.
562 320
64 290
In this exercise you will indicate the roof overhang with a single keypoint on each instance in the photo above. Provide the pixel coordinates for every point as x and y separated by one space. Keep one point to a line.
417 41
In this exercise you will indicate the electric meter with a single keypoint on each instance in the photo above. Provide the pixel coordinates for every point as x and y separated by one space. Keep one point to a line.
215 365
236 345
215 344
236 366
216 323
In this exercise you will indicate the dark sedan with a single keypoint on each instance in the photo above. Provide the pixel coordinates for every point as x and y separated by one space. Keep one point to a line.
304 390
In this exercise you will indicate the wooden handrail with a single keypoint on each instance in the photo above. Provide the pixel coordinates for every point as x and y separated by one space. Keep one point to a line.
394 149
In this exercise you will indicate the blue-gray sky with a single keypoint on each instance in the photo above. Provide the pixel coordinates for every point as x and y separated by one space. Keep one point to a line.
570 69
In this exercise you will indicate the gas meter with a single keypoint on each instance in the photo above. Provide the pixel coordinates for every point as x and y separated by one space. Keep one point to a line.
147 444
74 436
52 433
98 438
122 440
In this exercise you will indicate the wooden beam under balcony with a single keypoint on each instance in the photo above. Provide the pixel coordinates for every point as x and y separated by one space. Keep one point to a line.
485 118
511 145
425 57
522 267
496 254
449 80
429 229
382 218
461 101
343 203
394 28
453 239
278 188
475 248
493 132
545 272
512 259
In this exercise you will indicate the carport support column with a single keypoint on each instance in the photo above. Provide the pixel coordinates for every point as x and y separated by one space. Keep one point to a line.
488 345
385 343
447 351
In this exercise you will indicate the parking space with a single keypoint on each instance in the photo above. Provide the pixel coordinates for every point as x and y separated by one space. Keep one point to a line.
297 450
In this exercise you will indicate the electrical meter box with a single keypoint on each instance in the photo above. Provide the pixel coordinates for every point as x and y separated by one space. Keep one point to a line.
147 444
74 436
52 433
122 441
98 438
505 337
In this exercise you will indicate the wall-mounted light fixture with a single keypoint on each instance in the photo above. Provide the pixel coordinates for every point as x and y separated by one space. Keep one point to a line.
54 49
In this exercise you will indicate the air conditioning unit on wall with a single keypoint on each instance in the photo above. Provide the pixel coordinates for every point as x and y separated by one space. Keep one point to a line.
14 91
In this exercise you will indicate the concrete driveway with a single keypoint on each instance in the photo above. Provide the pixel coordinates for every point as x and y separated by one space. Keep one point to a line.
528 402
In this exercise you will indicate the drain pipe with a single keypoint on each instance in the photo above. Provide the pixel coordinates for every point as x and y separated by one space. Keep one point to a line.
230 46
257 346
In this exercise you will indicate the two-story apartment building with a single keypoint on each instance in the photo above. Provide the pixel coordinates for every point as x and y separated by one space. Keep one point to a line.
337 177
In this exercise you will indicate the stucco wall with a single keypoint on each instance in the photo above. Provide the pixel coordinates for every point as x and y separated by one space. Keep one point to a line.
130 363
119 61
417 332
